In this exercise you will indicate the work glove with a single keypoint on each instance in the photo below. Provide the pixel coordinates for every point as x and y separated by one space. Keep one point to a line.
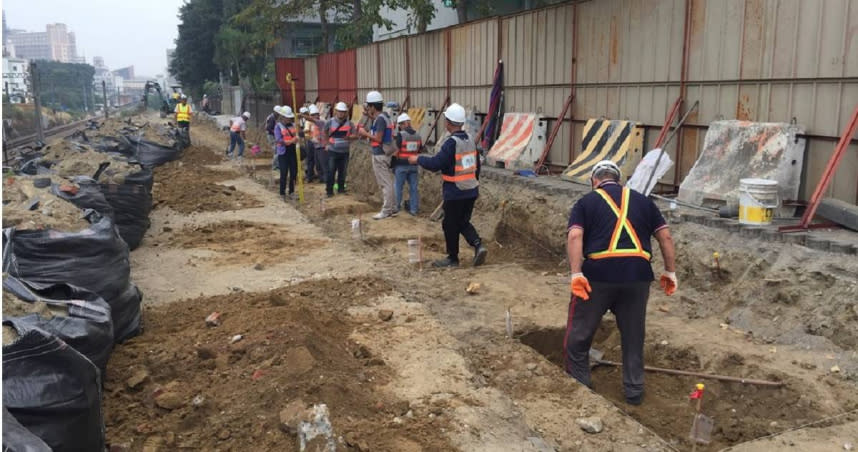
580 286
669 283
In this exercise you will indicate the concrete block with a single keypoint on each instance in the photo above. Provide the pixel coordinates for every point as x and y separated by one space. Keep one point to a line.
750 232
715 222
770 235
843 248
730 226
797 238
840 212
818 243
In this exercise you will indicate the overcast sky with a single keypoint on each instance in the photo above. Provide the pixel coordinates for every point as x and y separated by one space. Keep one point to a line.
124 32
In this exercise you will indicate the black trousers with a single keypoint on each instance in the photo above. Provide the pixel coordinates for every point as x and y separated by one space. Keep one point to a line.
457 220
310 162
288 163
338 162
628 303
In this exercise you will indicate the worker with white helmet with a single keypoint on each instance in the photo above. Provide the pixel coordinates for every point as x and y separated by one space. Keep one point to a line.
271 122
314 131
183 117
381 140
307 145
286 137
409 143
608 242
237 134
459 164
340 132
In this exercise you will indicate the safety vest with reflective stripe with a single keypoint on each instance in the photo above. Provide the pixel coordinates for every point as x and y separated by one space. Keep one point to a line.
386 136
410 145
183 114
339 133
623 224
465 176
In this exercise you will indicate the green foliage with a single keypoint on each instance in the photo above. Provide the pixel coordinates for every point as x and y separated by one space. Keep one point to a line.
65 85
200 22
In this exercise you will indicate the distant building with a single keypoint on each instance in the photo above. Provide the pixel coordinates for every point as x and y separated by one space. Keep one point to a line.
15 72
303 37
103 74
126 72
56 43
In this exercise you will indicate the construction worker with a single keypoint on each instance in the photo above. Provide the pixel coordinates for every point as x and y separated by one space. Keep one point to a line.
340 133
237 134
183 117
205 103
409 143
383 148
286 137
307 148
270 123
609 254
459 164
316 140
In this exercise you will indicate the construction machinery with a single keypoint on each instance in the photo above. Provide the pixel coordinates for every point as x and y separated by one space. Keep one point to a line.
166 108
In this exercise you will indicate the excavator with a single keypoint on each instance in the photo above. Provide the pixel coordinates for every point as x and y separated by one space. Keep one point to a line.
166 109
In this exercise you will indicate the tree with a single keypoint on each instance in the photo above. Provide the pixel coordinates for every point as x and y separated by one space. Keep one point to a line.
200 22
64 86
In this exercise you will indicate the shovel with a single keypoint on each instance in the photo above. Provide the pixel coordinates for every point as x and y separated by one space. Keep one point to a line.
596 356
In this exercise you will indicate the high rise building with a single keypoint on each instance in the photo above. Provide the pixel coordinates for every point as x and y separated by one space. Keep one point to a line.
55 43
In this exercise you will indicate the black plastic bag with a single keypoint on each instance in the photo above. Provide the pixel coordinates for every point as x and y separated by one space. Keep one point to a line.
16 437
53 391
143 177
95 258
88 196
151 154
88 328
131 205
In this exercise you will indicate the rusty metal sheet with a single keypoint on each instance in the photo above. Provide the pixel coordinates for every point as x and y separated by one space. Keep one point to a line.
346 76
428 60
327 73
367 67
294 66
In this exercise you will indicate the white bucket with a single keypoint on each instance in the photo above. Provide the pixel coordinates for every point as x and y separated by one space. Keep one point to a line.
758 200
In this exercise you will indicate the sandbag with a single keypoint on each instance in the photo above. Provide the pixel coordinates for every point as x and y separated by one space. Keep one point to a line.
95 259
85 324
53 391
16 437
88 196
151 154
143 177
131 204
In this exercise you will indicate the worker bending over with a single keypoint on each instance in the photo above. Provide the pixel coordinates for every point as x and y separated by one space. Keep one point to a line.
237 134
459 164
609 254
409 143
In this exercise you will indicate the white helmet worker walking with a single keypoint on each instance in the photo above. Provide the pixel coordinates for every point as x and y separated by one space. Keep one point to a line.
606 165
455 113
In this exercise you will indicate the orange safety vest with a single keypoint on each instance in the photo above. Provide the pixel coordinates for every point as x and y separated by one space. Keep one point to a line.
465 175
183 114
622 213
315 132
410 145
343 131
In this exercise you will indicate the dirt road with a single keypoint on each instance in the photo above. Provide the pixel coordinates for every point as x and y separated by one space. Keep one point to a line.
405 359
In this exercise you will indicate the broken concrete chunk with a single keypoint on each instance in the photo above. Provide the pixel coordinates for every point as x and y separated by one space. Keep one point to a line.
385 315
137 378
590 424
291 416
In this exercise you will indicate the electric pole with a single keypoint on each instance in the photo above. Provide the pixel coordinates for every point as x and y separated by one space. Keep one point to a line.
36 78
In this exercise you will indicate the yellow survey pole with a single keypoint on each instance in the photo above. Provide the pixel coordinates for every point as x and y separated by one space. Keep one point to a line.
291 82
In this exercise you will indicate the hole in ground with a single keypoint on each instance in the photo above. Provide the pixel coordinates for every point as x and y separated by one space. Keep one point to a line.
741 412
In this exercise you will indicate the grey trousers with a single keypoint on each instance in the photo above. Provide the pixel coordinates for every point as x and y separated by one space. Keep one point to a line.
384 177
628 303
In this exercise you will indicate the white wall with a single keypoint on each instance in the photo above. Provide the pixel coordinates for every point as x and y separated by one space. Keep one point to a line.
444 17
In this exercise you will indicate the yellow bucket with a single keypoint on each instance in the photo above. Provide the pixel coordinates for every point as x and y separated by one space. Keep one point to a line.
758 200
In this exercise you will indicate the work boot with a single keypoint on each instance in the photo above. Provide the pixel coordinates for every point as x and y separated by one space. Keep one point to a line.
636 400
446 262
480 253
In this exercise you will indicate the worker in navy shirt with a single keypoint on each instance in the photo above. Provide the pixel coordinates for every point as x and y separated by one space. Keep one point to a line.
459 164
609 255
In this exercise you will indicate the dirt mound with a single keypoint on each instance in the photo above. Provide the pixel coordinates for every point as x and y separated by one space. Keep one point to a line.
74 159
195 188
136 126
199 155
242 242
28 207
742 411
16 307
185 385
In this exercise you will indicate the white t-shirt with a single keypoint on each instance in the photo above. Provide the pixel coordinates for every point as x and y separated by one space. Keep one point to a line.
238 124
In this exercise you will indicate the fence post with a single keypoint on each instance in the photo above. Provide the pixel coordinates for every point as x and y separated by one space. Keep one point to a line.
36 78
104 97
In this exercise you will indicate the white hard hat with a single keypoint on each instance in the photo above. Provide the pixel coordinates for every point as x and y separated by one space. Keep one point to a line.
341 106
184 96
246 115
606 165
455 113
287 111
373 97
402 118
277 109
314 110
303 110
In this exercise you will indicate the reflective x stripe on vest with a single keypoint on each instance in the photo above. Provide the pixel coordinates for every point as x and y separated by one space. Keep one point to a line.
411 144
388 132
622 213
465 175
341 132
183 114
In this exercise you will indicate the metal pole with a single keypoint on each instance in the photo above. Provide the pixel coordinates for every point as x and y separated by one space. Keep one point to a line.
669 137
291 82
85 108
34 76
104 96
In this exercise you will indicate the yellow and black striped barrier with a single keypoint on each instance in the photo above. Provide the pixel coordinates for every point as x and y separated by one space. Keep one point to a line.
605 139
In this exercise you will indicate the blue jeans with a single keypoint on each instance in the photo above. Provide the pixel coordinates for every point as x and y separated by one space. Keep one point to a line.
401 173
235 138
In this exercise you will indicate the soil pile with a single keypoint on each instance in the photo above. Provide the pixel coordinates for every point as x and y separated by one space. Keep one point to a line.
27 207
183 384
75 159
16 307
195 188
243 242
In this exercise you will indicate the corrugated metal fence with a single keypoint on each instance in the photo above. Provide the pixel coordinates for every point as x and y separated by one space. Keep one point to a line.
760 60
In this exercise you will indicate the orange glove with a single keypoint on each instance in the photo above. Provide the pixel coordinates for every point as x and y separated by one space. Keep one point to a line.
669 283
580 286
